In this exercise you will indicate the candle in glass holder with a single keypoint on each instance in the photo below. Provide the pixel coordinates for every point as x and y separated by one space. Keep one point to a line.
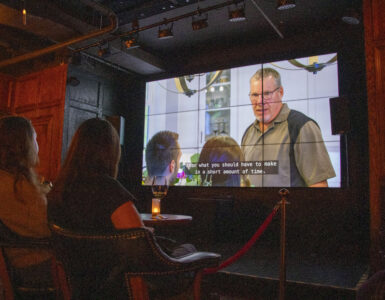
155 207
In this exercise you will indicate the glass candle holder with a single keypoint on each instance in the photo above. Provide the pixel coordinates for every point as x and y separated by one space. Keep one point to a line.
155 209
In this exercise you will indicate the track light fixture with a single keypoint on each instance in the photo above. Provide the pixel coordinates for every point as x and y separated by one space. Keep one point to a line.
199 23
166 32
285 4
131 41
237 14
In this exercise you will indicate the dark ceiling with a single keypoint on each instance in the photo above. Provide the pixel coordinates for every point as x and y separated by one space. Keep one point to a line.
56 21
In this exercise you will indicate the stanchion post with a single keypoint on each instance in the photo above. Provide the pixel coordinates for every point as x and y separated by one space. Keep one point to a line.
282 273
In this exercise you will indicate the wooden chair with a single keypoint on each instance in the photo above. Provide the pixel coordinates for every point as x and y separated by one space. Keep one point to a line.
12 287
125 264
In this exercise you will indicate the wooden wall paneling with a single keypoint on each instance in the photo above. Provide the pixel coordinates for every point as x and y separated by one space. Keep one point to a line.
52 86
378 17
378 103
6 89
40 97
83 101
27 91
374 14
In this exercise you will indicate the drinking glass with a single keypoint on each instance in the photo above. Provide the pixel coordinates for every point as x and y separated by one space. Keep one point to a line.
159 190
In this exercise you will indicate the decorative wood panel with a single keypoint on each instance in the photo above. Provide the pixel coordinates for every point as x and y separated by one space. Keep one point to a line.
40 97
379 104
378 14
52 86
374 15
26 93
6 86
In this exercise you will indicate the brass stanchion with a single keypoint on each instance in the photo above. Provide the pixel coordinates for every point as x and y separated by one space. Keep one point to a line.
282 273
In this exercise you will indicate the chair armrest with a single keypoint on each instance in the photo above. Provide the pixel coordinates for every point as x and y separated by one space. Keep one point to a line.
10 239
199 260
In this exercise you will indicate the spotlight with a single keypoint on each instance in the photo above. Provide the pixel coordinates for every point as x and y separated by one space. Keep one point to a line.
199 23
165 33
238 14
351 17
285 4
131 42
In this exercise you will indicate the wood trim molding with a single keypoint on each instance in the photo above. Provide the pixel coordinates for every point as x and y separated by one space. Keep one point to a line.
375 76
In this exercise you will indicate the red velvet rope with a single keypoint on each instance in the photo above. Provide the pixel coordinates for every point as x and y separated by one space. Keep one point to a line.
246 247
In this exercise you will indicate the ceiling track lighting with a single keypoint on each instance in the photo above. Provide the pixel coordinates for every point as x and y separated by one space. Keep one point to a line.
237 14
131 42
199 23
166 32
285 4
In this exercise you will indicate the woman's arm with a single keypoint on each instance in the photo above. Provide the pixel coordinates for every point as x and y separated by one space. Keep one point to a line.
126 216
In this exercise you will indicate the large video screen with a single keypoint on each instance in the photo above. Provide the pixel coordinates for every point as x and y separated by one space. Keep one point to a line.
263 125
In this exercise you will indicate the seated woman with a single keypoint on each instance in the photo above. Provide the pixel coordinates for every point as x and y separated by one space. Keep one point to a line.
23 202
86 195
220 149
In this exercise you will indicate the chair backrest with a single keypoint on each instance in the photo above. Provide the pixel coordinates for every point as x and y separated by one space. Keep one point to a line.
9 239
98 264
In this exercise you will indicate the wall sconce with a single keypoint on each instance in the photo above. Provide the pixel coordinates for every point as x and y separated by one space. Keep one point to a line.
165 33
285 4
237 14
199 23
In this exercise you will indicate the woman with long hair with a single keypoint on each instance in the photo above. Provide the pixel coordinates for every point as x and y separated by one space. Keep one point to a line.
221 149
23 204
86 194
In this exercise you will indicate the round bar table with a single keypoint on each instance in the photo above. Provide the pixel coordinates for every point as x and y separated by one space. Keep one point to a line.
168 219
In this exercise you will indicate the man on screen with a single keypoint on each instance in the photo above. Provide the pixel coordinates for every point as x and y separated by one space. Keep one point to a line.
162 157
285 146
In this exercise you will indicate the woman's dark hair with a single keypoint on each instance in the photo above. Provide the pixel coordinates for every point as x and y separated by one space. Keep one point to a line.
220 149
94 150
18 155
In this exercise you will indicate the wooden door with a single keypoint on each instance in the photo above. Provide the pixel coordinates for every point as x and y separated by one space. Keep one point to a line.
40 97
